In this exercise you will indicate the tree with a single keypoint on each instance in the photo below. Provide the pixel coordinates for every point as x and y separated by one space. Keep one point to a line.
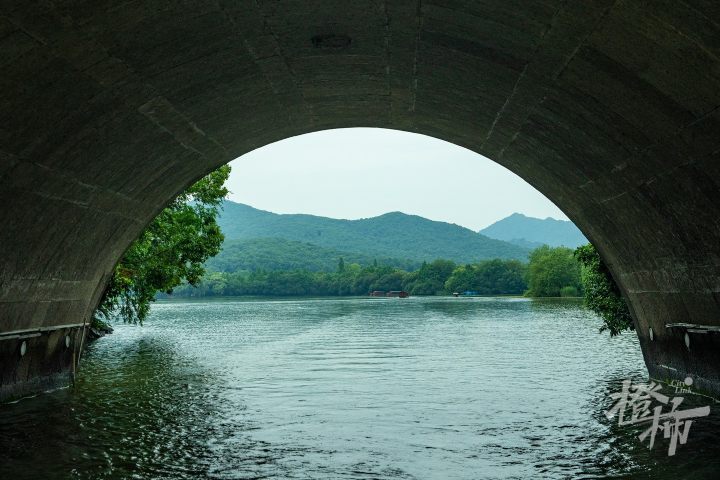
430 278
388 281
602 295
489 277
501 277
551 270
171 250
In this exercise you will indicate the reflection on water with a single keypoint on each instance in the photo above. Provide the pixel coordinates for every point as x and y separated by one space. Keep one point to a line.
349 388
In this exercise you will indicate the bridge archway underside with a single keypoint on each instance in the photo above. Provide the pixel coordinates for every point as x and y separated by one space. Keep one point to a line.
610 108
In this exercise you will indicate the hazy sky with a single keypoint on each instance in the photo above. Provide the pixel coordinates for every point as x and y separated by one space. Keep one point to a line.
364 172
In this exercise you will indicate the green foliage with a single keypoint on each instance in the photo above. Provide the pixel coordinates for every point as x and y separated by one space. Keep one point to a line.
491 277
602 294
569 291
352 280
389 281
550 270
170 251
430 278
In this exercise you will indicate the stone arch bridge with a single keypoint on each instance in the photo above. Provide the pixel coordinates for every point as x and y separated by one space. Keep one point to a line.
108 109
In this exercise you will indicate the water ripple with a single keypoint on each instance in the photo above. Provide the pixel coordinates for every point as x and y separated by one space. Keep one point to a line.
421 388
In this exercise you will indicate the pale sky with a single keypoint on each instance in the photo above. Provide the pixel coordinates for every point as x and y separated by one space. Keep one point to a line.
364 172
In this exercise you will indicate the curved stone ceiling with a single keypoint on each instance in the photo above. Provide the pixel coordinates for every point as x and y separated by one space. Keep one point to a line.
608 107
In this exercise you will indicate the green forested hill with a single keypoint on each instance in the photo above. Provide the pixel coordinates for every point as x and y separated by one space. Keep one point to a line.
278 254
393 235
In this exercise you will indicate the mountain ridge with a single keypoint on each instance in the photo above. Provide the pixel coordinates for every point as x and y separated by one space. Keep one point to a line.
532 232
391 235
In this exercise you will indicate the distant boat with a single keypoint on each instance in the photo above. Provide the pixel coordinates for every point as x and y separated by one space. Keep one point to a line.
378 293
398 293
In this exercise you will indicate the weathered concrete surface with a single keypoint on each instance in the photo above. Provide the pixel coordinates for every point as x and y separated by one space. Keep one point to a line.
610 108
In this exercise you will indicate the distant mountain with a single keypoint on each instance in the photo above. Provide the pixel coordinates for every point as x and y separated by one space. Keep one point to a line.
532 232
393 235
521 242
278 254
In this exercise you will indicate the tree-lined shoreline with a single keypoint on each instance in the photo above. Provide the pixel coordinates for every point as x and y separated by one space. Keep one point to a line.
550 272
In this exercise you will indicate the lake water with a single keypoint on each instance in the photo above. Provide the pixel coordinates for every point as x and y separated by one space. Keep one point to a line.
419 388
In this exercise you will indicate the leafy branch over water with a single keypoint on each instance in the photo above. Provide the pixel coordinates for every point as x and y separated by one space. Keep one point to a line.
170 251
602 294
